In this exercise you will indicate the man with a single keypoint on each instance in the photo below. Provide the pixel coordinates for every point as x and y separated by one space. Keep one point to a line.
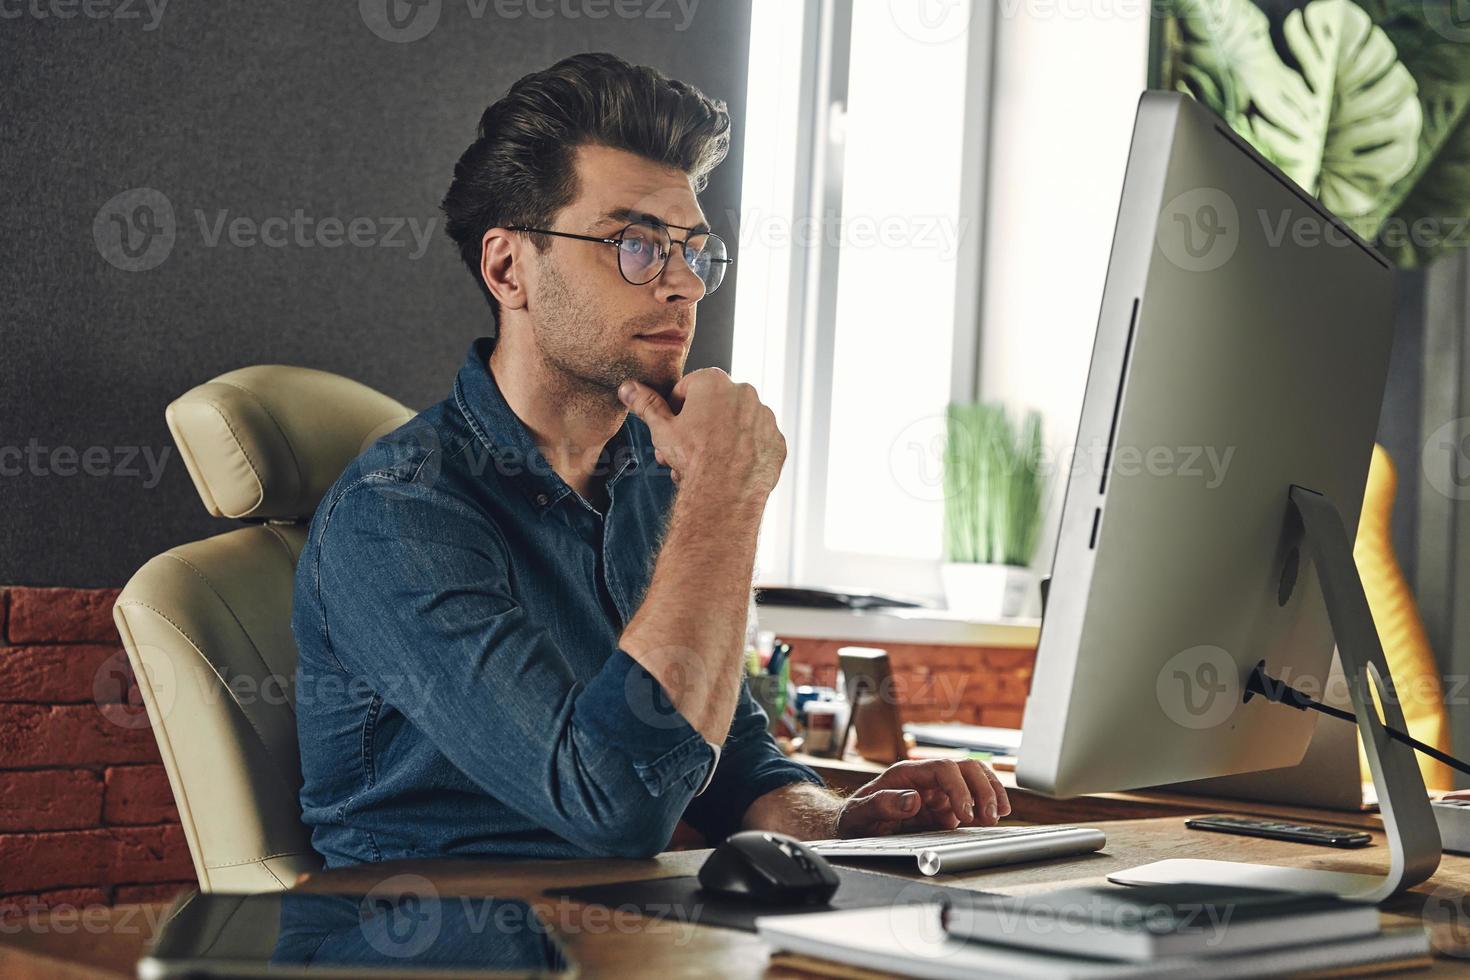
521 617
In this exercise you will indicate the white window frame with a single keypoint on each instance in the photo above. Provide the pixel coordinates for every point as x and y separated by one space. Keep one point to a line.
789 357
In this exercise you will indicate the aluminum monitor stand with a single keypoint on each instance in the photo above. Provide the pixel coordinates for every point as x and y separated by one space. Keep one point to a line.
1408 820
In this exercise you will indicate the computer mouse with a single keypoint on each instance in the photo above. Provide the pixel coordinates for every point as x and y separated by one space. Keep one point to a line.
770 868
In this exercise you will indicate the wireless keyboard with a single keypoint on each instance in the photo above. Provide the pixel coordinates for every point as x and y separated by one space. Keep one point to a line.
952 851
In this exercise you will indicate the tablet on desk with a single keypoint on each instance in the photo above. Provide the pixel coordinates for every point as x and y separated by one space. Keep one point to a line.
297 934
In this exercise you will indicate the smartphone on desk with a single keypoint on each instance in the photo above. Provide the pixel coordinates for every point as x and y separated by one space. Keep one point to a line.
1283 830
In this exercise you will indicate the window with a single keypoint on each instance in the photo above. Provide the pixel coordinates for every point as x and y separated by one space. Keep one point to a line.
857 300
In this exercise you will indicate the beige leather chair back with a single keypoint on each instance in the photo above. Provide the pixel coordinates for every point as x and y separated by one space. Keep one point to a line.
207 625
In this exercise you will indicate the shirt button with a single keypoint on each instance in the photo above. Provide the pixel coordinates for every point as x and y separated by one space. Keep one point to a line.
541 499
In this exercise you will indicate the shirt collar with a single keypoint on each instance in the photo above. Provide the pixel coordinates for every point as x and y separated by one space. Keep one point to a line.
510 443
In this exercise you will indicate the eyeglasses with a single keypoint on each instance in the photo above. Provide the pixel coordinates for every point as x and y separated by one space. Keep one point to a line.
644 248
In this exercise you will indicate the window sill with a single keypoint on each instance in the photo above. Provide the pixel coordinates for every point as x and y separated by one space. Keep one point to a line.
928 626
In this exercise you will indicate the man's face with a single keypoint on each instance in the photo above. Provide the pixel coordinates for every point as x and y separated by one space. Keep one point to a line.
588 321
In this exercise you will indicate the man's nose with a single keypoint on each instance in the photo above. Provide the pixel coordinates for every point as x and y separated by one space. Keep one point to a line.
678 281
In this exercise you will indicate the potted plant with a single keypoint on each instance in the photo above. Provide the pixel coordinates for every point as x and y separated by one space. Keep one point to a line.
992 511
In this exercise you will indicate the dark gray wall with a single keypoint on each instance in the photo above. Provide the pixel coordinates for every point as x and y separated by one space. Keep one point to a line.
256 110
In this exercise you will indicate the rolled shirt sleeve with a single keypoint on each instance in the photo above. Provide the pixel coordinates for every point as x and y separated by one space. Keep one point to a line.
750 766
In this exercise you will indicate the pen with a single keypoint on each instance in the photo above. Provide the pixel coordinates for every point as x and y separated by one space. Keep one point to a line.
778 655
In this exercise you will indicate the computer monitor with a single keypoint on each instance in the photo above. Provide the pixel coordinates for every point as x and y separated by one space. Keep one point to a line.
1227 426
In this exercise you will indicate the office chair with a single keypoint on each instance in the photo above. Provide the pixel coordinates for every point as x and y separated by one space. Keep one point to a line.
207 625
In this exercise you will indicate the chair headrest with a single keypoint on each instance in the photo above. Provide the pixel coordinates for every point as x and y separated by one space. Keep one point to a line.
267 441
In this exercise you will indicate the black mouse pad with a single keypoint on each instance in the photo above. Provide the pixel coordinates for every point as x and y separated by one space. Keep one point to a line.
682 900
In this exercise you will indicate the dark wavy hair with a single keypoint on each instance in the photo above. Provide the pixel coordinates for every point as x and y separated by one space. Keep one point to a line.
519 170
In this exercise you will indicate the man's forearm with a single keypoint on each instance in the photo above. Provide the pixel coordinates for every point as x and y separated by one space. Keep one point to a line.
804 811
689 632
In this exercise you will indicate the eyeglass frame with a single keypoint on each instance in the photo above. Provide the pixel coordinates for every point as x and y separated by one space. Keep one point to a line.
618 241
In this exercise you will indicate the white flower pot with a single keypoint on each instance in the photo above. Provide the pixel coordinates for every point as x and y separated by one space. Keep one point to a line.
990 591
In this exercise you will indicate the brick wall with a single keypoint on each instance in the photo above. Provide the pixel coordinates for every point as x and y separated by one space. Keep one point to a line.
86 815
974 685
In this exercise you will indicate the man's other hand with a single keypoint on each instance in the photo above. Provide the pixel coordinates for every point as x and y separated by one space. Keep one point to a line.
925 794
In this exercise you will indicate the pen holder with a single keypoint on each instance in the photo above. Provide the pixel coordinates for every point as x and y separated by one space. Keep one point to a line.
766 689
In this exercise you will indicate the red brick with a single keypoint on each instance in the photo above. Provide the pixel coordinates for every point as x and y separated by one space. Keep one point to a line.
939 691
35 903
936 682
50 799
811 652
68 673
110 855
979 688
138 794
936 658
34 735
811 658
1002 717
1008 659
4 612
149 894
61 615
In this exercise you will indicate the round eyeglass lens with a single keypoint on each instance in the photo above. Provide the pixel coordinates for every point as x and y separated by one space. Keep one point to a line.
707 256
642 251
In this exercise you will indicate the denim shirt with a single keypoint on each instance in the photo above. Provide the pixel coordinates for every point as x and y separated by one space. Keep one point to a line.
460 689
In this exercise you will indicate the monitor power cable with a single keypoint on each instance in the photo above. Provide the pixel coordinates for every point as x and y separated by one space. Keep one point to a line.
1280 692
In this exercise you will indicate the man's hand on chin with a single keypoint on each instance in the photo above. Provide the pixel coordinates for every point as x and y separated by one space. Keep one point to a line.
925 794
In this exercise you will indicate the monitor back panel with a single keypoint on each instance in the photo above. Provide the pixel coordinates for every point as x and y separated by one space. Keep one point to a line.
1242 347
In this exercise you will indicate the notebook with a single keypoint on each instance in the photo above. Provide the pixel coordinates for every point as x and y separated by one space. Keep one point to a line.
1156 921
909 940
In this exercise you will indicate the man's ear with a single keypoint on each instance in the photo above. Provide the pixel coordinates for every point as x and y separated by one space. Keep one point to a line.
500 268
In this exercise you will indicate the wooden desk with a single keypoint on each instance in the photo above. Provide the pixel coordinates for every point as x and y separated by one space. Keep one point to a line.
613 943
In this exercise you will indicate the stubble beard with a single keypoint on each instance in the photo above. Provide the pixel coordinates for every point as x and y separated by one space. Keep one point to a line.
592 359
